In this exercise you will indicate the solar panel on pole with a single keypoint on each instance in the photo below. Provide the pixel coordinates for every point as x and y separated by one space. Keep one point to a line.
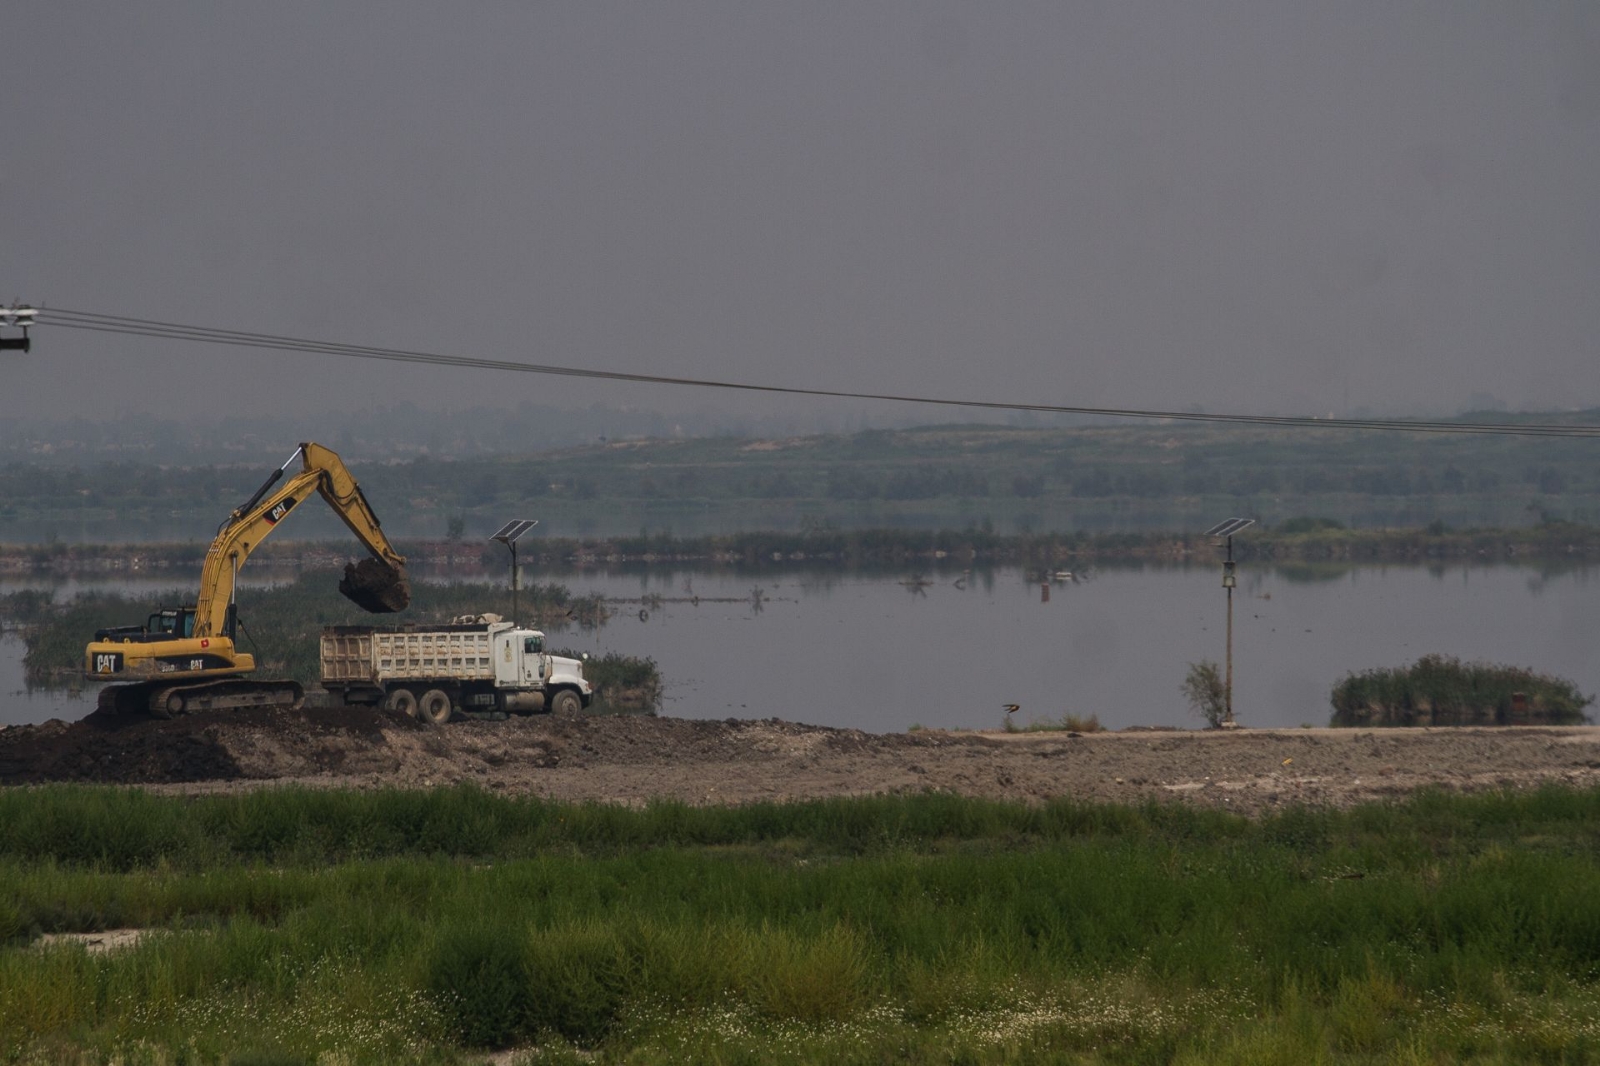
1228 527
508 535
511 531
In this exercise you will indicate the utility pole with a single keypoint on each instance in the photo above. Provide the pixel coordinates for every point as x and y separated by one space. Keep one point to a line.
1226 530
508 535
15 317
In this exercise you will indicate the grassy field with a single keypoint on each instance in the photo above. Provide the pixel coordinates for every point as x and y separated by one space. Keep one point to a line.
295 926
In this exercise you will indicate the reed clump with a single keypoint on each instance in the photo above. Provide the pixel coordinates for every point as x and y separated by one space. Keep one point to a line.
626 682
1442 690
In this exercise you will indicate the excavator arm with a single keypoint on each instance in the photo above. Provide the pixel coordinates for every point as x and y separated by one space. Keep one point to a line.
184 658
378 584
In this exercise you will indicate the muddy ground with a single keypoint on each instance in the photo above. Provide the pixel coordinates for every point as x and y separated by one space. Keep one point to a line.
633 759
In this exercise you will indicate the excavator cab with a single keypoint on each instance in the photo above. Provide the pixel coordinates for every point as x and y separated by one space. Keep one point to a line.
177 623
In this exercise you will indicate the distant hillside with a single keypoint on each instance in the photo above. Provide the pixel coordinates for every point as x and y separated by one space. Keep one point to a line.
1120 478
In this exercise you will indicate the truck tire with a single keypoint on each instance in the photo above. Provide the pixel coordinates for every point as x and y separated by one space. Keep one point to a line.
565 704
401 701
434 707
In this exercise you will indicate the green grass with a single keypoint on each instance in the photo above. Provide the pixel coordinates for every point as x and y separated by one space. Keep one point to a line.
398 926
1442 690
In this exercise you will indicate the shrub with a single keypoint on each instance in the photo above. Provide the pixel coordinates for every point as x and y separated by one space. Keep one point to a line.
1442 690
575 975
479 976
621 681
1207 695
812 979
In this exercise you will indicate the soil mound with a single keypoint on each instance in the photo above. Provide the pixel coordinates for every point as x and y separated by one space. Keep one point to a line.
135 749
635 759
103 749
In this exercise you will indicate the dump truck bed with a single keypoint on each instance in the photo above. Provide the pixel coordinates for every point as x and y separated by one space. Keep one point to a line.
367 654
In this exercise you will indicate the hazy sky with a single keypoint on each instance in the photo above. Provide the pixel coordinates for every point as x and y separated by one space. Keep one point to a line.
1251 206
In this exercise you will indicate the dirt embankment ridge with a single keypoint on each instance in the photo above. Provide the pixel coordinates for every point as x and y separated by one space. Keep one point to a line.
633 759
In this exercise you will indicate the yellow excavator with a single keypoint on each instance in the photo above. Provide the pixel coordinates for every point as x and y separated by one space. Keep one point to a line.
183 658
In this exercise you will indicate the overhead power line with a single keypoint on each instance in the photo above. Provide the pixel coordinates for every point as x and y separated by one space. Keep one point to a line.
143 327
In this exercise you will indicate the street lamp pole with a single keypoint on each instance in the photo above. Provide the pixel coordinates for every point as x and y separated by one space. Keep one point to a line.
1228 582
516 585
1226 530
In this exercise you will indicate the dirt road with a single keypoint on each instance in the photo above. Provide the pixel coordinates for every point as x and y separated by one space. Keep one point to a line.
633 759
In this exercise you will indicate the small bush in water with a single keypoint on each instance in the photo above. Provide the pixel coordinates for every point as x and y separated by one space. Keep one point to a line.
1442 690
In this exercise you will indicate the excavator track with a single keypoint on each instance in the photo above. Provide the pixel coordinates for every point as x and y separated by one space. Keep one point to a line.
229 694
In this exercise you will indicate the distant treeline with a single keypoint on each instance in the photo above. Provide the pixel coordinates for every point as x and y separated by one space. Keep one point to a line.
1146 478
1297 540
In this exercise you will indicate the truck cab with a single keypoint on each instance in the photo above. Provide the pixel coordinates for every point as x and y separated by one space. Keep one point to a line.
522 663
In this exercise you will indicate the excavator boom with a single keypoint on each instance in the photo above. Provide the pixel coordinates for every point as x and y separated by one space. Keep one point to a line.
378 585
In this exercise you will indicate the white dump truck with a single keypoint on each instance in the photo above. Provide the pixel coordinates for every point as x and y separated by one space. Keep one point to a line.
436 672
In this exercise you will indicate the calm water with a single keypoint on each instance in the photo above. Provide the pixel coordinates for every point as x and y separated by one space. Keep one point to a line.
873 653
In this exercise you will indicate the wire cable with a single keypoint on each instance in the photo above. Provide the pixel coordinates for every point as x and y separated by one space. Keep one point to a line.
141 327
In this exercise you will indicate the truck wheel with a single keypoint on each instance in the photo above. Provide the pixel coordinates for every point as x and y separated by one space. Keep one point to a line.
401 701
434 707
565 704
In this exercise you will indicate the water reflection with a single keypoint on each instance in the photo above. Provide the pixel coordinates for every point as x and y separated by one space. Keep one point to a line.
945 646
20 703
1311 573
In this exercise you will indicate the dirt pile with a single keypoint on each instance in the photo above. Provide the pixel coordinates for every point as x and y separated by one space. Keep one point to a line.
103 748
635 759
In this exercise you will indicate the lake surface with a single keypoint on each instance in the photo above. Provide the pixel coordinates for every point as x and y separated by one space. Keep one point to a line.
876 653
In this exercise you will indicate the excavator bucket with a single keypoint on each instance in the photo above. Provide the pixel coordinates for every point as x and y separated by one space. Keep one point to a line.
376 586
